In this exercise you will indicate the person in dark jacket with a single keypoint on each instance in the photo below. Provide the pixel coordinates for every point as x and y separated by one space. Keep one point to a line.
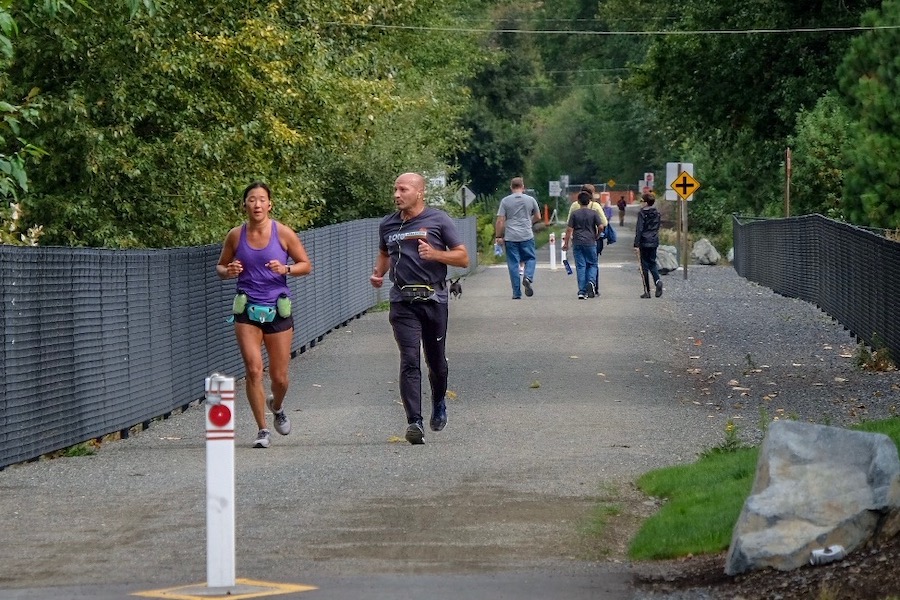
646 241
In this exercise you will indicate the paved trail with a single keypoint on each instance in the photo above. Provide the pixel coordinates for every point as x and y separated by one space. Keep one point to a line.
559 404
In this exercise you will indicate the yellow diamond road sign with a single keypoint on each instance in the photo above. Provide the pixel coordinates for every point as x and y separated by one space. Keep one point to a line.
685 185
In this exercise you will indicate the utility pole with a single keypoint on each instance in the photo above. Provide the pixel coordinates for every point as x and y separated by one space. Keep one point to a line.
787 183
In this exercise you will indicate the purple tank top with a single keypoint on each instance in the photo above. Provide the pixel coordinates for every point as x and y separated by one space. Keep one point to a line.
261 285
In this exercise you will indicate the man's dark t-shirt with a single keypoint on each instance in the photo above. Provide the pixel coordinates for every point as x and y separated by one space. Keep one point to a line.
584 223
400 239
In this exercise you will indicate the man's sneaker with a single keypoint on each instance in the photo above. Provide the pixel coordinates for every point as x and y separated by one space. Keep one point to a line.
415 434
526 284
438 416
580 296
262 439
592 290
282 422
645 295
658 288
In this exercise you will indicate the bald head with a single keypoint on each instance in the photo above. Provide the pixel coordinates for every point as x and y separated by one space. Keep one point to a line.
409 194
413 180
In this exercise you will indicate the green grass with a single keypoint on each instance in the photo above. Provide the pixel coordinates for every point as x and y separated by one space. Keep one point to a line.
703 500
382 306
82 449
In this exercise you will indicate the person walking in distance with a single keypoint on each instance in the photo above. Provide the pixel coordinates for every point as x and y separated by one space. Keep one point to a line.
621 204
594 205
257 254
415 245
516 217
582 232
646 241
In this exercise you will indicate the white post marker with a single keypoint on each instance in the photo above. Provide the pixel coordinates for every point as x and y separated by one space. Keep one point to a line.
220 568
552 251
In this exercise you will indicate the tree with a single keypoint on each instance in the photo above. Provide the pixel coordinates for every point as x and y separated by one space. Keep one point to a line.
504 91
871 82
818 150
739 94
154 122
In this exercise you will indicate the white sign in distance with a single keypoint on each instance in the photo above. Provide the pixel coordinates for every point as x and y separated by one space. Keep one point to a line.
554 189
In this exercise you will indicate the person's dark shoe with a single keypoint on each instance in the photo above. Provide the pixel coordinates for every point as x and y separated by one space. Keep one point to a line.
591 291
658 288
526 284
438 416
645 295
517 297
415 434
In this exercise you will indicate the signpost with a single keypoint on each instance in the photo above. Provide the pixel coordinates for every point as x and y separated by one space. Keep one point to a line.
464 196
673 170
684 185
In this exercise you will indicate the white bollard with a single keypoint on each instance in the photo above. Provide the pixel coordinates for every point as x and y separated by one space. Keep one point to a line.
220 568
552 251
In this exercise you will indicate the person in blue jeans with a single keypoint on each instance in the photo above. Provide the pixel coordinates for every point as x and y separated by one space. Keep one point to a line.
583 229
516 217
598 208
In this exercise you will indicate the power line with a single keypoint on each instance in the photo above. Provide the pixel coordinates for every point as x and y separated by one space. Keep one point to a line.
611 69
620 33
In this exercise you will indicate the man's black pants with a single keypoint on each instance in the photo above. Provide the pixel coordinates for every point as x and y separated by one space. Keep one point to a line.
420 324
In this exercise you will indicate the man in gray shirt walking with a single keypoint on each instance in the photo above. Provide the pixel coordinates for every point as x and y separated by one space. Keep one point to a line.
517 214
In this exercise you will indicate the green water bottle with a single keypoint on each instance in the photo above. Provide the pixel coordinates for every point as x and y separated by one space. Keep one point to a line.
239 305
283 306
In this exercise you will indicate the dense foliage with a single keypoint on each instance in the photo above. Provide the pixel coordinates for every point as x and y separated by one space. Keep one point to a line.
153 121
729 101
870 76
138 122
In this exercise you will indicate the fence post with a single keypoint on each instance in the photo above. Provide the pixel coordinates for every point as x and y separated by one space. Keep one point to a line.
552 251
220 568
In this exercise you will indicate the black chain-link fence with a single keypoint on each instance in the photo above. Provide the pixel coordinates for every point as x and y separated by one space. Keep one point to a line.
851 273
96 341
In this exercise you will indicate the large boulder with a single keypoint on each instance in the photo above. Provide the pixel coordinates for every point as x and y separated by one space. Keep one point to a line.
666 259
815 487
704 253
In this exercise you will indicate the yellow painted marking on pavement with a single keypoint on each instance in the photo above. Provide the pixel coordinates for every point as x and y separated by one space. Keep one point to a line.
244 588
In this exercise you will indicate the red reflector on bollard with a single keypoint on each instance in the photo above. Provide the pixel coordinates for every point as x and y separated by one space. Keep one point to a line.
219 415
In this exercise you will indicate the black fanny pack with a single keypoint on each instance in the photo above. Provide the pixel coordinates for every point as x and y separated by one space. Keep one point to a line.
417 292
